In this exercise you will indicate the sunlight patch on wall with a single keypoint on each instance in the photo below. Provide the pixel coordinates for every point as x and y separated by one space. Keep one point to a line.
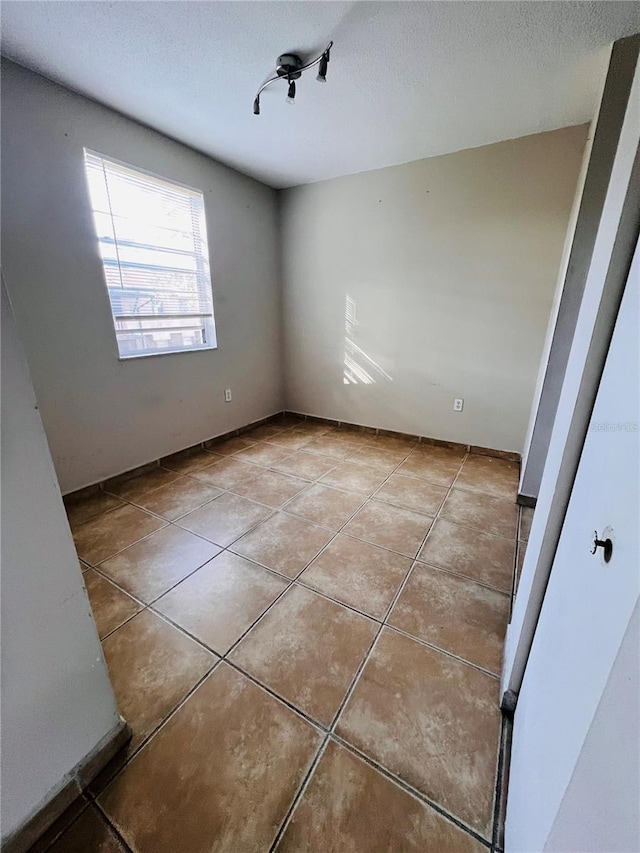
359 368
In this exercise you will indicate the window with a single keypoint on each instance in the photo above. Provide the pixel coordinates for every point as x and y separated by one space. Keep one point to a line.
152 237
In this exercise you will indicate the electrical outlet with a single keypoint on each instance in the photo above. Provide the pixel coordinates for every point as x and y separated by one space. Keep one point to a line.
227 395
458 404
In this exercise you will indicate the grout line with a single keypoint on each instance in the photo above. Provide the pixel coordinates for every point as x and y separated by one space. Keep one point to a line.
142 538
409 789
93 798
271 692
497 805
114 829
368 655
300 794
333 599
435 648
382 624
67 826
483 584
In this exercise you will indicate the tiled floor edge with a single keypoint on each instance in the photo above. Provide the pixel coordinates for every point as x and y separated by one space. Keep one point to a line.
510 455
87 491
502 783
69 791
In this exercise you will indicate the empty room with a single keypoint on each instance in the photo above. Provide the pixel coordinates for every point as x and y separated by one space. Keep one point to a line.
320 446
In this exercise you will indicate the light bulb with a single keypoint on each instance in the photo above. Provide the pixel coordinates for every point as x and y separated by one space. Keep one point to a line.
322 69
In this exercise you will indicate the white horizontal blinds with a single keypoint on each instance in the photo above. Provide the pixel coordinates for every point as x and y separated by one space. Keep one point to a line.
153 243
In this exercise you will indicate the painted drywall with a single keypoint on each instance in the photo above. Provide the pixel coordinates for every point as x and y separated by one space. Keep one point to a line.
433 280
101 415
598 160
57 701
600 811
587 607
610 261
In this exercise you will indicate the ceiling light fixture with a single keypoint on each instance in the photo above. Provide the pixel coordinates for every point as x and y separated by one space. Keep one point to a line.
290 67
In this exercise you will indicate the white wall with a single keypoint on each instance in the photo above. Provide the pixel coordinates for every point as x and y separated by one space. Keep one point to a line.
451 262
600 811
613 249
597 163
103 416
57 701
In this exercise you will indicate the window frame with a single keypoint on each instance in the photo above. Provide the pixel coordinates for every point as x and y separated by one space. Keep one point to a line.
209 323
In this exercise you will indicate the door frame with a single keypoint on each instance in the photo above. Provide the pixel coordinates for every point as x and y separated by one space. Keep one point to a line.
614 247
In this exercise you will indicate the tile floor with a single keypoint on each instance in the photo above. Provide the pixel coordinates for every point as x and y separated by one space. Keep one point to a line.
304 630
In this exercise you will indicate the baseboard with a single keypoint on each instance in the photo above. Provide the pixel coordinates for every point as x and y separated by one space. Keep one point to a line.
510 455
86 492
94 488
526 500
68 790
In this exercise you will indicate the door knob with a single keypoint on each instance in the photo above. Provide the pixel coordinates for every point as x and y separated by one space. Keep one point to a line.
605 544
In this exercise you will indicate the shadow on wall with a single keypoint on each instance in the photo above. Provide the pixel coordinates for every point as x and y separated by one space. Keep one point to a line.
359 368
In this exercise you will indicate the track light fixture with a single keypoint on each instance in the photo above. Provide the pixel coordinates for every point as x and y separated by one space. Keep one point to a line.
290 67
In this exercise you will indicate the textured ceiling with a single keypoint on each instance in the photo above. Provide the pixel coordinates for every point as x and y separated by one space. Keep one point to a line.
406 79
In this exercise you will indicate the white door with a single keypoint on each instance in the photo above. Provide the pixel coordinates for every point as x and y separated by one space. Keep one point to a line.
587 608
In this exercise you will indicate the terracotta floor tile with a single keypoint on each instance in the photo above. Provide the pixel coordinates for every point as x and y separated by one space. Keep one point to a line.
412 493
384 460
109 605
483 512
151 567
455 614
188 461
292 439
224 519
171 798
355 477
326 506
526 518
283 543
261 432
431 720
89 834
489 475
393 443
229 472
356 430
477 555
358 574
178 498
132 488
309 466
438 465
152 666
271 488
350 806
263 454
83 566
229 446
288 422
221 600
333 446
110 532
307 650
392 527
314 428
81 510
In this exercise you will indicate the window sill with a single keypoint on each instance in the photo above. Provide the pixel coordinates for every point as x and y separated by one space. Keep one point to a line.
137 356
